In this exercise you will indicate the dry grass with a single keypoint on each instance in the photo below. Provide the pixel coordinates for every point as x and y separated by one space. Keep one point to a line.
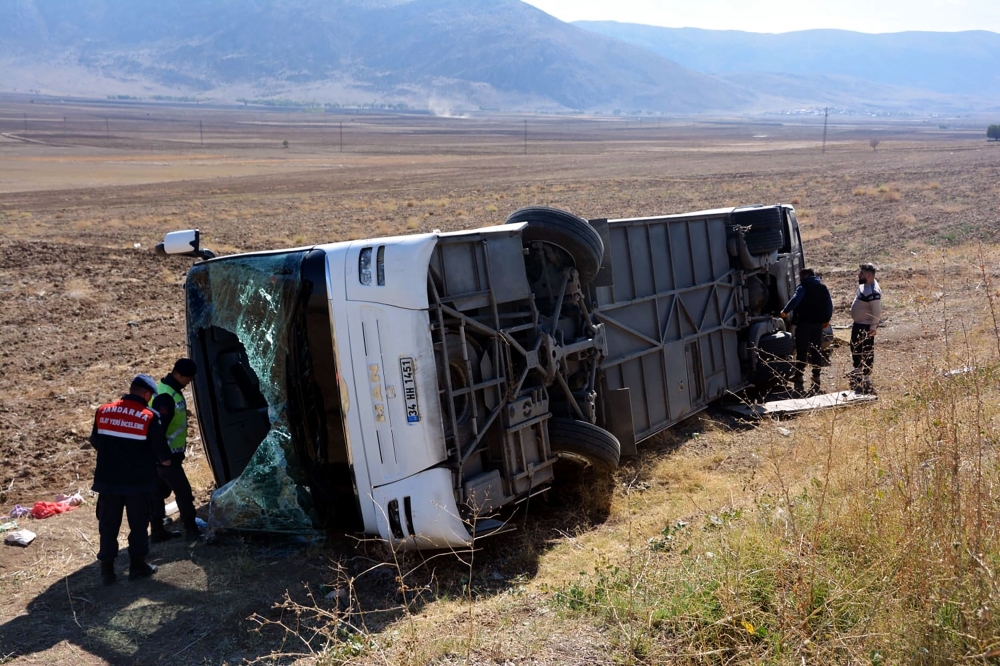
864 536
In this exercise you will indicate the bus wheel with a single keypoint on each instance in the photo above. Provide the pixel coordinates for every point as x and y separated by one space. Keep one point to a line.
570 233
585 445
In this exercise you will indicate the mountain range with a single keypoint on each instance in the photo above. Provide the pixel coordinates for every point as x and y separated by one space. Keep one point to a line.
466 55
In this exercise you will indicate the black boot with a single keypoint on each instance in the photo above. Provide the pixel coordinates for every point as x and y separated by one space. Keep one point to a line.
192 532
139 569
854 377
108 576
814 388
162 534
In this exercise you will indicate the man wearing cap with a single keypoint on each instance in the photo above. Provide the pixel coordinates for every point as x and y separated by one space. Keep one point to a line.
170 405
866 311
129 440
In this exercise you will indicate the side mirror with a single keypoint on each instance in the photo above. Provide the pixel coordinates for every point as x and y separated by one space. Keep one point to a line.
185 243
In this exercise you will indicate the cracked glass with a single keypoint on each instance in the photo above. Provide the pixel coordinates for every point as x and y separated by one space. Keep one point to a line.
240 316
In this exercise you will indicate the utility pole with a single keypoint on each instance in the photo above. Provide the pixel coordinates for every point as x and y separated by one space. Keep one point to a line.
525 137
826 114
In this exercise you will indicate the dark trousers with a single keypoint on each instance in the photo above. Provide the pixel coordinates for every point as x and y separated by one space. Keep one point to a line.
862 348
173 479
109 522
808 347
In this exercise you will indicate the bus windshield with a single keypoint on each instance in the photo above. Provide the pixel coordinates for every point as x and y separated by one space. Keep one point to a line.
266 392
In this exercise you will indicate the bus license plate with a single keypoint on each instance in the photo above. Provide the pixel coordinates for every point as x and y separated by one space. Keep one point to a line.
409 374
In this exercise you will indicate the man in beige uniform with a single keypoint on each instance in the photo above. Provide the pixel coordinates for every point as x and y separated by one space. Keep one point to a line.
866 311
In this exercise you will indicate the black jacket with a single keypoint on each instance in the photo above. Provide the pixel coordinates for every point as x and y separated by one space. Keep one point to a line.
811 302
129 440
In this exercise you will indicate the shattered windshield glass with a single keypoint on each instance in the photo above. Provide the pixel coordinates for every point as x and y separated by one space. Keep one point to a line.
241 312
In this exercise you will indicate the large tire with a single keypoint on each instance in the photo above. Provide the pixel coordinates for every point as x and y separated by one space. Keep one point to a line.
572 234
764 217
765 242
586 445
774 363
765 234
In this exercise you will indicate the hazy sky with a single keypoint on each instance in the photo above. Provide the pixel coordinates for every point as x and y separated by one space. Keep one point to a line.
786 15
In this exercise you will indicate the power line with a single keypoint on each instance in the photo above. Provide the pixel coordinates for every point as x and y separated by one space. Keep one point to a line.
826 113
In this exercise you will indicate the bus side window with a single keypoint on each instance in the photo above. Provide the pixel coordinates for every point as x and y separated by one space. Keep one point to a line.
790 232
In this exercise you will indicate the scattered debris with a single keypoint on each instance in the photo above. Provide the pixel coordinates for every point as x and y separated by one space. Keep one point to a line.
76 499
20 537
19 512
62 504
784 432
798 405
959 371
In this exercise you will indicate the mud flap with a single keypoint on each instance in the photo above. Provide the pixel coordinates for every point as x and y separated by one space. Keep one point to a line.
620 422
605 276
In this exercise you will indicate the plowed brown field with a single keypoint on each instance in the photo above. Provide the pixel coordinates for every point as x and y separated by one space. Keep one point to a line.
87 190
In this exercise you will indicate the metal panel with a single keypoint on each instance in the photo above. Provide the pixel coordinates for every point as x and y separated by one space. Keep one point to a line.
678 395
462 269
476 269
505 256
670 316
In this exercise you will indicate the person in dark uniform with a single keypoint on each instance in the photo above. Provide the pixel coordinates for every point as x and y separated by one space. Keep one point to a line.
813 309
170 405
129 441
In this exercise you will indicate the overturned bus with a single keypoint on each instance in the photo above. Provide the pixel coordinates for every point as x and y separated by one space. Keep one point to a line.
409 387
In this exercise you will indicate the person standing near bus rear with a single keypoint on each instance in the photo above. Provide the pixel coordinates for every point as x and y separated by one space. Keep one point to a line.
866 311
169 403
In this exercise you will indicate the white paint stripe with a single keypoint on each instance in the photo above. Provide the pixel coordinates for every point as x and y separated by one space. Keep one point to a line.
116 433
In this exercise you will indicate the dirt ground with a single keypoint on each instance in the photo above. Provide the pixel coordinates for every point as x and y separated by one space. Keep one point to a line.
86 190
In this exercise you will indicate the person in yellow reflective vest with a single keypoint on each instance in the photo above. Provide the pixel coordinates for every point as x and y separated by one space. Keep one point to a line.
169 403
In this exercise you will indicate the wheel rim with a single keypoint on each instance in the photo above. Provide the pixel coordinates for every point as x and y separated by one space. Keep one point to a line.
576 459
